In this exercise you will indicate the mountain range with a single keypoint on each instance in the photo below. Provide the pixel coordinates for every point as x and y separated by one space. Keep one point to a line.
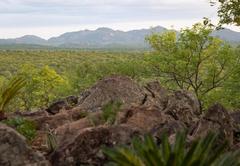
106 36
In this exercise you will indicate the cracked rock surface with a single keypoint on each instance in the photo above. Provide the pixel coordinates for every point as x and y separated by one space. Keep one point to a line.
124 89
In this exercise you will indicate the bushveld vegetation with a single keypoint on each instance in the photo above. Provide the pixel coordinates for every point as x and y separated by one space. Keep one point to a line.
192 60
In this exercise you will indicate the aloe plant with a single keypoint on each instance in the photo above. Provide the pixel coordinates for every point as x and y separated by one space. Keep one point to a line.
9 93
51 142
147 153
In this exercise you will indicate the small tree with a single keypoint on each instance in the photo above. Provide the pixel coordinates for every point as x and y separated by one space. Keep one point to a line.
43 87
193 60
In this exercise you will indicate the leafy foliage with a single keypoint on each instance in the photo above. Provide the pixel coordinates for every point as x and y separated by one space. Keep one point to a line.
44 85
193 60
79 70
110 114
23 126
228 11
147 153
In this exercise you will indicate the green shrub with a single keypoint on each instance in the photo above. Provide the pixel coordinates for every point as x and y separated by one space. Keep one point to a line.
23 126
110 114
111 110
147 153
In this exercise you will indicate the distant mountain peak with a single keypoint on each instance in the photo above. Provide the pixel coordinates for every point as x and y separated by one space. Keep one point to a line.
32 39
105 35
104 29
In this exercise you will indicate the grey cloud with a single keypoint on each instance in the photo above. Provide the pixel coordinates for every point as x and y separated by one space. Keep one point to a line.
61 12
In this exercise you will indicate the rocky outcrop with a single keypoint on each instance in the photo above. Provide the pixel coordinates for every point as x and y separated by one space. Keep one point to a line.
84 148
216 119
147 109
15 151
183 106
121 88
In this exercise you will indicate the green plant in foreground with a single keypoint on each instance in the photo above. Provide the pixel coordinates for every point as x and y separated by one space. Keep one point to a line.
9 93
111 110
147 153
30 135
23 126
51 142
110 114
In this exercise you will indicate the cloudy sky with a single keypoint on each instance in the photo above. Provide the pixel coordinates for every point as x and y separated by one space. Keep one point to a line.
48 18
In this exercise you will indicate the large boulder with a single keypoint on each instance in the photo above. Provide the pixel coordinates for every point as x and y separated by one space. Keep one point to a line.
183 106
84 148
216 119
144 117
58 104
15 151
121 88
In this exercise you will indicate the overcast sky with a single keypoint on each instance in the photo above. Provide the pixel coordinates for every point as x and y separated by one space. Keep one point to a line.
51 18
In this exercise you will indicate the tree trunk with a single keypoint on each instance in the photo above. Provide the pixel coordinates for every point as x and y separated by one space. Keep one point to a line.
200 107
2 115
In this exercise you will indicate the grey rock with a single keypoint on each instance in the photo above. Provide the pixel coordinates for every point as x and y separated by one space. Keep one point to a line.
15 151
159 97
183 105
216 119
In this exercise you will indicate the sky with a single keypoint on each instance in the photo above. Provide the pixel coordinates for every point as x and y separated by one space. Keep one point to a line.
51 18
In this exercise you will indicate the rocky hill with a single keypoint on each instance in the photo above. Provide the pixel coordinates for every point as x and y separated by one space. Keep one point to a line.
148 109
